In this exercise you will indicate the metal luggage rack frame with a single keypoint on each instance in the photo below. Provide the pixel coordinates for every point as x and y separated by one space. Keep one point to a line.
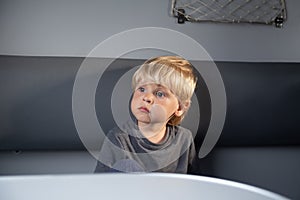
269 12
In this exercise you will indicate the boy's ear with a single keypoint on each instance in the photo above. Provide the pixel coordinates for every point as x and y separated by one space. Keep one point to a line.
182 108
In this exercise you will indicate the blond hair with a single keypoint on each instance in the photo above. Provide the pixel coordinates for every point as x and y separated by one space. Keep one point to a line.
173 72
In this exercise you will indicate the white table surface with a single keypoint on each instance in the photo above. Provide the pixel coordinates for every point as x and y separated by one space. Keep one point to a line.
119 186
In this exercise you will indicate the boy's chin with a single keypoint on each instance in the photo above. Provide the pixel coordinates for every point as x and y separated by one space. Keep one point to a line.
152 123
143 121
146 120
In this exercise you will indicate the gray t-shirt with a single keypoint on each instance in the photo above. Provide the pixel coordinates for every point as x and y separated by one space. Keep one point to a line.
174 154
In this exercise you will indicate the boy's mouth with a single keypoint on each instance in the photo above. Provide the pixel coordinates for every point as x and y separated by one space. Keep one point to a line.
144 109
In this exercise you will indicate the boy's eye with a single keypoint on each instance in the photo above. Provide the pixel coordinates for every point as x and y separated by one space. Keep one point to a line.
160 94
141 89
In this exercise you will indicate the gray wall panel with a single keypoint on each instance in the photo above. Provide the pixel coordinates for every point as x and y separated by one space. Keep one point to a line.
74 28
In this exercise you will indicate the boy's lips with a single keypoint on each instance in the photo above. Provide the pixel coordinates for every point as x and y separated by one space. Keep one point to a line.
144 109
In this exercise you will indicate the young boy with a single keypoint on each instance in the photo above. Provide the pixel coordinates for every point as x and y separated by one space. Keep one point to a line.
153 141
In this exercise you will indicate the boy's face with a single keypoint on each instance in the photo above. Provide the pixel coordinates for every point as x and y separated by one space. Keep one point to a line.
153 103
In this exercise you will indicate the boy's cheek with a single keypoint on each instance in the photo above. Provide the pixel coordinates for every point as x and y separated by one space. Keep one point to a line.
158 114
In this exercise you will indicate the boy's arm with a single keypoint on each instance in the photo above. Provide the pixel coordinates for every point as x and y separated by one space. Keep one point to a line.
192 165
110 152
101 168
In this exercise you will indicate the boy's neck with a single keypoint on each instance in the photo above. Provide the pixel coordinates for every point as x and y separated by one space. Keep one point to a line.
155 133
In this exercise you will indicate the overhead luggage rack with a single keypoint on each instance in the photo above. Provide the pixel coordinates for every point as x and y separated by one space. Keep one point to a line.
269 12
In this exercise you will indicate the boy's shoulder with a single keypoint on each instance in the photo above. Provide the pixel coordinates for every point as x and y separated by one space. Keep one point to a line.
180 129
183 129
181 132
123 130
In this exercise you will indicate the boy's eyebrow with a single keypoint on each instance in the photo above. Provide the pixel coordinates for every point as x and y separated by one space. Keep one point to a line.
166 89
159 86
162 86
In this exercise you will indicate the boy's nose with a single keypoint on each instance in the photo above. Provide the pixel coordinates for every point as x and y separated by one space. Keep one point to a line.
148 98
